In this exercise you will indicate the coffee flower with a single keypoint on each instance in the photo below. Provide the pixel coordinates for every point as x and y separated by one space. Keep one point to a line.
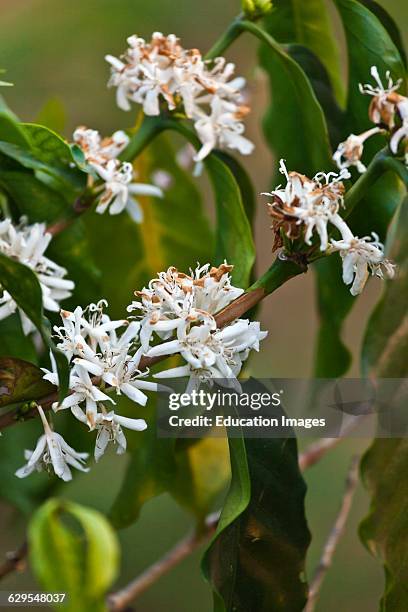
309 202
52 452
119 186
390 109
360 256
350 152
174 300
386 101
315 203
211 353
104 358
162 73
27 244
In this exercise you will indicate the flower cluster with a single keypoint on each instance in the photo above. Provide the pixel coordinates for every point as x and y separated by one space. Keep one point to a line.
313 204
180 309
27 244
119 188
162 71
388 110
106 356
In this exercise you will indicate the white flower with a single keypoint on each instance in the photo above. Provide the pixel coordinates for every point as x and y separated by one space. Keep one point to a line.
161 72
383 105
350 152
175 299
27 244
210 352
52 451
98 150
83 390
402 132
360 255
109 426
313 202
118 177
119 189
126 378
222 128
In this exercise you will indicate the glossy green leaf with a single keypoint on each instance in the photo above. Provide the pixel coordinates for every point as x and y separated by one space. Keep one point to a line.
256 560
10 128
234 241
21 381
294 125
385 343
14 343
22 284
202 474
389 24
368 44
50 148
308 24
385 530
323 89
82 564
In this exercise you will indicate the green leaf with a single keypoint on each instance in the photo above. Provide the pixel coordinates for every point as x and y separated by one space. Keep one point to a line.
84 565
10 128
52 115
294 115
323 89
256 560
334 301
234 241
388 23
21 381
385 342
308 24
202 473
368 44
385 530
14 343
22 284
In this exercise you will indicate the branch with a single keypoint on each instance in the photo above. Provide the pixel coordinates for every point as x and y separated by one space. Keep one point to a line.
121 599
334 536
318 449
15 561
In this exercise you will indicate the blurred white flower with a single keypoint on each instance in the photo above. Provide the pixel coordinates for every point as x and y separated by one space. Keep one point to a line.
385 100
27 244
52 452
361 255
99 150
350 152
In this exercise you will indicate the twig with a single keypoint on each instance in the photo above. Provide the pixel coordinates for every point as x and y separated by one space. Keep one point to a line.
334 536
121 599
318 449
15 561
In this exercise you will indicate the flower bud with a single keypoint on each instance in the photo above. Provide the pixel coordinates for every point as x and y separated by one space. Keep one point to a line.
253 9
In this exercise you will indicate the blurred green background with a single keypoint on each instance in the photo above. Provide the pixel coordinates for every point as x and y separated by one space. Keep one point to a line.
56 49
